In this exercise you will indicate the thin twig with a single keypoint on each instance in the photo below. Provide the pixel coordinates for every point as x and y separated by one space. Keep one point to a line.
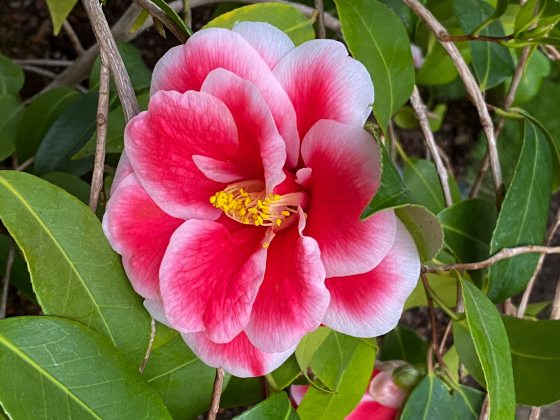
463 38
433 321
444 338
216 394
555 312
153 330
102 116
484 411
74 40
187 15
472 89
39 71
25 164
6 280
320 19
420 111
45 62
535 413
503 254
161 16
508 101
109 47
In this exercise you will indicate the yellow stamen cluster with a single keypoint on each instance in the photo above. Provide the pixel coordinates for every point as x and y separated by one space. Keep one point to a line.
257 208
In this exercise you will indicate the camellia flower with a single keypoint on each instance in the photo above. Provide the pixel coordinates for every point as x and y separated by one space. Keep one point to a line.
382 400
236 206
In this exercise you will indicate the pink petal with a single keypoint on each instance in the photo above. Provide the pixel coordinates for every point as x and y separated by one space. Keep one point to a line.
293 298
185 67
238 357
372 410
138 230
155 309
323 82
209 278
123 170
161 142
270 42
345 175
370 304
298 392
261 149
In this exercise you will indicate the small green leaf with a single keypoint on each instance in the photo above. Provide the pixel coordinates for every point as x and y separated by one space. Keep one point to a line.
309 345
11 111
404 344
172 14
424 228
60 369
285 374
522 220
535 351
493 351
284 16
536 70
377 37
430 400
59 11
11 77
445 286
277 406
39 116
75 272
467 403
344 364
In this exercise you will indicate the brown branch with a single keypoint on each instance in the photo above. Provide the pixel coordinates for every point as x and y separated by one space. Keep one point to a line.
26 164
162 17
470 85
320 19
503 254
74 40
216 394
433 321
463 38
45 62
39 71
153 330
420 111
109 47
102 116
6 280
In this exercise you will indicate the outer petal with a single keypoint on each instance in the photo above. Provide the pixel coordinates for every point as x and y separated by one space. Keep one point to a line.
345 175
323 82
270 42
261 149
138 230
368 409
185 67
209 278
293 298
160 144
369 305
238 357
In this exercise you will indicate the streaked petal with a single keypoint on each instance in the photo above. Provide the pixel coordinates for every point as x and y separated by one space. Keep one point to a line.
270 42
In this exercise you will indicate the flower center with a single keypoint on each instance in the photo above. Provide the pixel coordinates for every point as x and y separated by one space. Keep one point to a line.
246 202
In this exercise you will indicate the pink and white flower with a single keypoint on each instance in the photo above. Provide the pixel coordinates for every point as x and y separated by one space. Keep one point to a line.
236 207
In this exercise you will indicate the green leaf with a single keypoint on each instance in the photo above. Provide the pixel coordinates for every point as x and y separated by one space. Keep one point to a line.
437 68
66 370
492 62
424 228
285 17
71 183
535 350
285 374
492 348
404 344
75 272
309 345
277 406
59 11
536 70
11 111
11 77
344 364
430 400
523 217
140 74
467 403
183 381
377 37
242 392
20 276
445 286
172 14
500 10
38 117
66 136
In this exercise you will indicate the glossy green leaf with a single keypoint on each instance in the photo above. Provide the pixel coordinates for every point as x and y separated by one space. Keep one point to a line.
71 183
11 77
285 17
285 374
492 62
376 36
536 70
344 364
277 406
39 116
11 111
172 14
60 369
493 351
437 68
499 11
403 344
535 352
430 400
445 286
183 381
75 272
309 345
59 11
66 136
467 403
424 228
243 392
522 220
